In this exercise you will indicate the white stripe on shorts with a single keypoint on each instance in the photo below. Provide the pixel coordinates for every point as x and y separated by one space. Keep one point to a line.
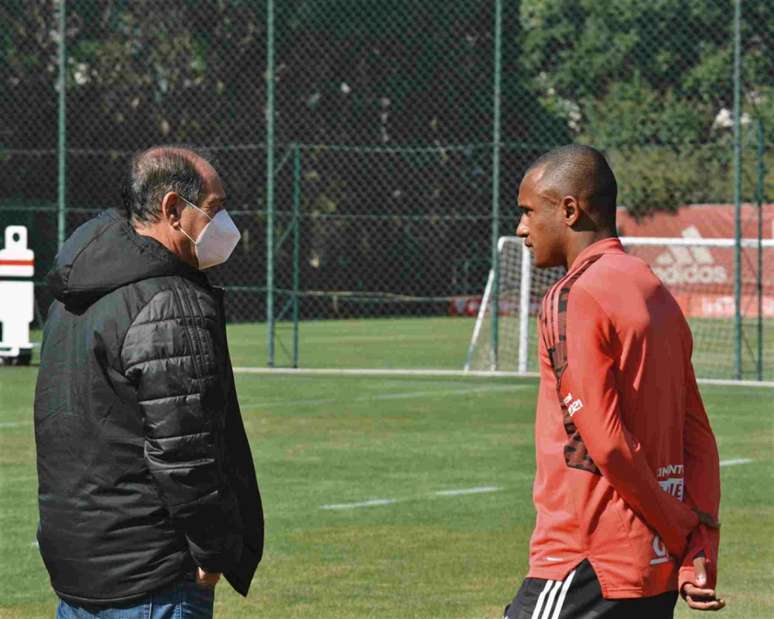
550 601
562 595
541 599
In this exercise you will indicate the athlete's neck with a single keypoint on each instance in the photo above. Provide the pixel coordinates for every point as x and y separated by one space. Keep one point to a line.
579 241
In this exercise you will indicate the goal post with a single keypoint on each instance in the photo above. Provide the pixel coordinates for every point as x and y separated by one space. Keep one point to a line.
521 288
699 272
510 252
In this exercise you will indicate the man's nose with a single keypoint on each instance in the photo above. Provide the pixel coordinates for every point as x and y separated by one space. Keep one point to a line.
521 228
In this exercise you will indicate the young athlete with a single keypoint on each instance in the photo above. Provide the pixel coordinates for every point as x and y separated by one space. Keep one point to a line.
627 487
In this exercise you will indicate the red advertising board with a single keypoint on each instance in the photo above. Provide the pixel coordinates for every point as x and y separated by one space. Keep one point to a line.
702 278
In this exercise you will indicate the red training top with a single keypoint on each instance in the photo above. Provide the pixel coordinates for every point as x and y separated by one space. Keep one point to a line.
624 449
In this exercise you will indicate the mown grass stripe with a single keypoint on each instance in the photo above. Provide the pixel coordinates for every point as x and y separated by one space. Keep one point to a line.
734 461
462 491
369 503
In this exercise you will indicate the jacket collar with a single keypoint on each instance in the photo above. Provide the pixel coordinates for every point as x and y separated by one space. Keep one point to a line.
610 245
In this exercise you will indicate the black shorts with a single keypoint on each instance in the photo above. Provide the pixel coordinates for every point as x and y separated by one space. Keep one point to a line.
579 596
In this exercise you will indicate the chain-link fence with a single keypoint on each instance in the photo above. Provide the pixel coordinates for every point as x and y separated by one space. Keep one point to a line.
400 129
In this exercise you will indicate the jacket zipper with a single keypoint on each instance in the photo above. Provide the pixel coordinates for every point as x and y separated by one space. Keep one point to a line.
185 308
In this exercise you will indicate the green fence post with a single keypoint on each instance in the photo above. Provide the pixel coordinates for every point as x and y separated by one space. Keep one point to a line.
737 189
270 181
62 128
496 181
759 190
296 244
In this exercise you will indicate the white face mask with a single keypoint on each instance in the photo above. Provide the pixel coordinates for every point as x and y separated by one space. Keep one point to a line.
218 239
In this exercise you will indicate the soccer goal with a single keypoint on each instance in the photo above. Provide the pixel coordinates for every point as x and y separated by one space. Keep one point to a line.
700 273
506 341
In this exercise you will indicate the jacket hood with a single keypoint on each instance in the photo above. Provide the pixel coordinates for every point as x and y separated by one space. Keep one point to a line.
106 253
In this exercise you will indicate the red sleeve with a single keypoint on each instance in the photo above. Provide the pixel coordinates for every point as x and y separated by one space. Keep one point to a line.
702 483
587 386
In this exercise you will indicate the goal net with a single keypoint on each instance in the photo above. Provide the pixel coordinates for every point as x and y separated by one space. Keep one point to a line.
700 273
507 341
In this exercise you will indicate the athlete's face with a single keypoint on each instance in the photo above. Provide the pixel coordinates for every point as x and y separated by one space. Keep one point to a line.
542 224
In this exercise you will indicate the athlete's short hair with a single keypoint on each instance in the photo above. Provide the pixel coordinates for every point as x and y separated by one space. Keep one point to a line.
583 171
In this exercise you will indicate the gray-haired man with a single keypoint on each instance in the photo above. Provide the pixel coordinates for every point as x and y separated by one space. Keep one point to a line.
147 490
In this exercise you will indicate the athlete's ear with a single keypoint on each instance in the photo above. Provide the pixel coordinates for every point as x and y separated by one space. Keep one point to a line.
571 210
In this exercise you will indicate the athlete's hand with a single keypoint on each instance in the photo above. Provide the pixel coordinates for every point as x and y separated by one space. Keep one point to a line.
207 580
695 595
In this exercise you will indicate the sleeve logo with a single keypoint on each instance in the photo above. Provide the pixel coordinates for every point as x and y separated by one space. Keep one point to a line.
573 405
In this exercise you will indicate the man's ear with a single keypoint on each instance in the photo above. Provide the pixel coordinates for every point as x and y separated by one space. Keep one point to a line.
571 210
171 208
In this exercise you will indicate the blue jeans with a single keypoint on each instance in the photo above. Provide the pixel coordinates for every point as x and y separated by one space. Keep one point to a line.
182 600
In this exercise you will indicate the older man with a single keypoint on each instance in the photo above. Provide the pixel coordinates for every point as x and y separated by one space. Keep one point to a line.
147 490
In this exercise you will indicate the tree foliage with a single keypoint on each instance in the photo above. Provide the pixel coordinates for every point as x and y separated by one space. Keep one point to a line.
651 82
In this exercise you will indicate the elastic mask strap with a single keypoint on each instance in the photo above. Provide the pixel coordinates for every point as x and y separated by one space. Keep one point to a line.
196 207
189 203
188 235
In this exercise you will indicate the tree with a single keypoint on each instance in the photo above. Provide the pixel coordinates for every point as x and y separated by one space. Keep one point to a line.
649 82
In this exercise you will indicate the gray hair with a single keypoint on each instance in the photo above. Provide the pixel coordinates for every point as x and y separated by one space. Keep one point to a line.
155 172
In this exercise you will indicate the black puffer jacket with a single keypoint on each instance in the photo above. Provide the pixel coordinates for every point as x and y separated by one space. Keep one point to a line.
144 468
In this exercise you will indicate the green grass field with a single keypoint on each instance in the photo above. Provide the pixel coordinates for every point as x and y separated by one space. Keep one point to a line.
321 441
442 342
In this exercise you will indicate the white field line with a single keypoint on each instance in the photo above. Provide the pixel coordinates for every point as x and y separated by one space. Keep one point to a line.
388 396
369 503
452 374
14 424
377 372
477 490
377 502
274 403
735 461
767 384
442 392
